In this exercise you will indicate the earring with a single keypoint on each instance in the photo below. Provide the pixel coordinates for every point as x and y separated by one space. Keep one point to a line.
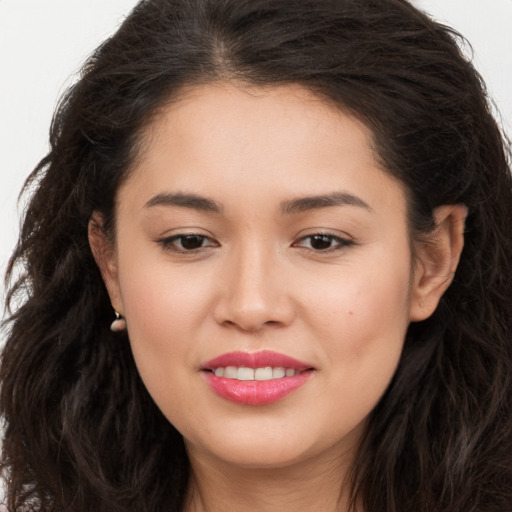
119 324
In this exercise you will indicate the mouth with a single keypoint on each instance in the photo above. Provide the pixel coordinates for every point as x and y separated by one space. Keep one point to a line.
259 378
260 374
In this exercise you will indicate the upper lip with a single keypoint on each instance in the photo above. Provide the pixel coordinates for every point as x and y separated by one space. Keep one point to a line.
255 360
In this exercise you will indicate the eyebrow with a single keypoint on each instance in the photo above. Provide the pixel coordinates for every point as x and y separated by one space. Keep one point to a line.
192 201
304 204
299 205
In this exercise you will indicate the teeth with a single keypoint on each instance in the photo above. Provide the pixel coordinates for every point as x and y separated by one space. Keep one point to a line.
245 373
279 373
263 373
266 373
231 372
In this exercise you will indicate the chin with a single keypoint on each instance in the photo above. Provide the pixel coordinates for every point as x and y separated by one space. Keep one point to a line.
272 446
261 455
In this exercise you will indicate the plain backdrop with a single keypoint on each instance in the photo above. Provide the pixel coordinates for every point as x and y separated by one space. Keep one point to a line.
44 42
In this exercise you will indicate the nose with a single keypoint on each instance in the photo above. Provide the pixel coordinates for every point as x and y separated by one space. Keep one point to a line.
254 292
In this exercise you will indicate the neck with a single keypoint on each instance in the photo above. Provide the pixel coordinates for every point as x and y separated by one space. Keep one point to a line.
309 486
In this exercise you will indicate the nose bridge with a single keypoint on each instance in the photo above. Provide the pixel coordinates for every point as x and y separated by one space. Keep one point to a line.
253 292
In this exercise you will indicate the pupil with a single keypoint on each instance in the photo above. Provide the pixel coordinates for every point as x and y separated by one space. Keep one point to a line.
192 242
320 242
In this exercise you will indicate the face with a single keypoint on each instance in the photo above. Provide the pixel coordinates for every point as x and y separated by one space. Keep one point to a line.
257 238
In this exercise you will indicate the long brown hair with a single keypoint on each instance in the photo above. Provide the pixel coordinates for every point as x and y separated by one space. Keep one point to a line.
82 433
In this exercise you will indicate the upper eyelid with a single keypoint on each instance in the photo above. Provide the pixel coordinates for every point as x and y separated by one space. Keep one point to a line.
342 235
184 231
323 232
177 236
343 239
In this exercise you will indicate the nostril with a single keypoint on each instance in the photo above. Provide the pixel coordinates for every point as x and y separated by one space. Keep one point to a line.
251 309
251 326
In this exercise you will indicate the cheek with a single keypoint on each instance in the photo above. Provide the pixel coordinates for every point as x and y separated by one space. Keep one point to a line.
164 312
360 326
160 298
357 299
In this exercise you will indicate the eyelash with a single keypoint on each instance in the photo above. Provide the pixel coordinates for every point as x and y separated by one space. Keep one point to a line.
173 243
341 243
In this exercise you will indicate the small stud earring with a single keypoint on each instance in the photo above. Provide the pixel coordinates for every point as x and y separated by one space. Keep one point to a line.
119 324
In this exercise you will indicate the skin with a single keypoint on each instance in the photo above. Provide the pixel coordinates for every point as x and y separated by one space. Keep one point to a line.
260 281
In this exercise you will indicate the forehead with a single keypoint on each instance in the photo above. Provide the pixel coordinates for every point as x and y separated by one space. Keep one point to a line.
224 138
250 115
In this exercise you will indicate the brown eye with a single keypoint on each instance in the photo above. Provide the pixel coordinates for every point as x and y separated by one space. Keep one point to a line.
321 242
191 242
187 243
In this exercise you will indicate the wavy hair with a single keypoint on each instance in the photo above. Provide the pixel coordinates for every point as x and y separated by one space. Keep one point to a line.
81 431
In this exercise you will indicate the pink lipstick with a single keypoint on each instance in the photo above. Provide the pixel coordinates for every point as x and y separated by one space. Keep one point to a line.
258 378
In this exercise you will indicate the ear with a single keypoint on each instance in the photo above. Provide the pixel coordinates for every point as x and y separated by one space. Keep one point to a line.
436 259
104 252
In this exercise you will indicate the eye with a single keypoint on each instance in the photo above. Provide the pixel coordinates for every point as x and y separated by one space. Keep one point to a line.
187 242
321 242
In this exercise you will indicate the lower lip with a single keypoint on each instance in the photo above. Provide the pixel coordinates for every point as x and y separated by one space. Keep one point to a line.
256 392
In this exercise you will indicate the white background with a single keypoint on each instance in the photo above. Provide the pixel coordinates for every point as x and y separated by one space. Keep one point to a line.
44 42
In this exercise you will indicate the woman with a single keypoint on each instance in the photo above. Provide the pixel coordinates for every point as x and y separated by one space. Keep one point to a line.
267 266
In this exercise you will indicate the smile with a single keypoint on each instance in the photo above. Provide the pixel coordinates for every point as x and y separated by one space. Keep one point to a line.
259 378
265 373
